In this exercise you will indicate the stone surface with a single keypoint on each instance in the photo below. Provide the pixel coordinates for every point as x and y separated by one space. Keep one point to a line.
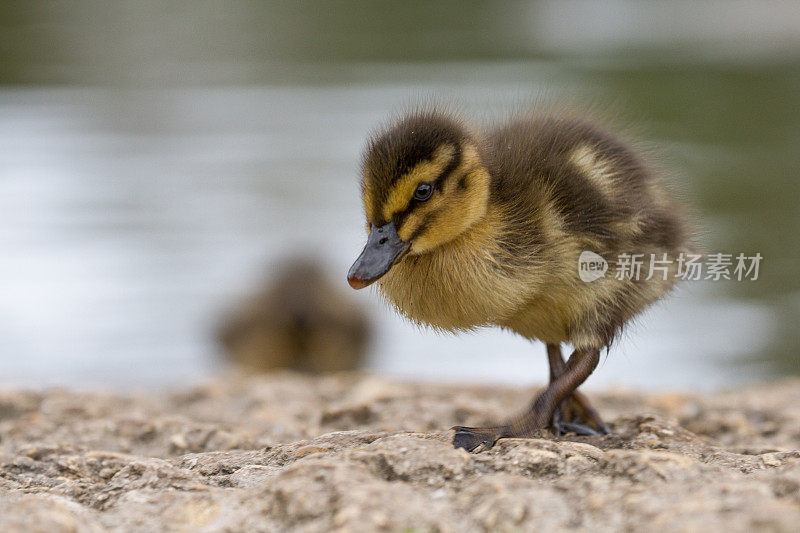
354 452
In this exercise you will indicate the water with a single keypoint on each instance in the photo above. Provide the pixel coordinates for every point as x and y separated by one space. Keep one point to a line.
132 218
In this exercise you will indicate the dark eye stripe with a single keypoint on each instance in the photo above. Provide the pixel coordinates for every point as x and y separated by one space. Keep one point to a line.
437 183
451 166
421 227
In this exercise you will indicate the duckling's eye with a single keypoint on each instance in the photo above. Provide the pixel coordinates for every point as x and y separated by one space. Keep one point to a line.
423 192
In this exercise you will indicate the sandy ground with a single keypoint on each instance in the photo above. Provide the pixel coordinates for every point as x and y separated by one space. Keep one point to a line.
361 453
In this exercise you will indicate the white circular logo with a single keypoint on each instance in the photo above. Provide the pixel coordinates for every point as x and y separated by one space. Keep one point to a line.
591 266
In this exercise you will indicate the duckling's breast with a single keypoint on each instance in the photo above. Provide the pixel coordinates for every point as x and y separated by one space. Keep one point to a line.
461 285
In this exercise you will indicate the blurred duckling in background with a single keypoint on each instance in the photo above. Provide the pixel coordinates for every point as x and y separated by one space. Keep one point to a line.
300 320
470 229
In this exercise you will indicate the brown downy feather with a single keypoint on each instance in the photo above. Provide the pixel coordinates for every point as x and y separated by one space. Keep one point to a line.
298 320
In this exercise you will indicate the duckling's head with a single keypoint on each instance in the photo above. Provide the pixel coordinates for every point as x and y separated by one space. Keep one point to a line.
423 184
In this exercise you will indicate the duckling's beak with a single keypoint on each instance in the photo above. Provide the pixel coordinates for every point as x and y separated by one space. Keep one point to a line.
384 248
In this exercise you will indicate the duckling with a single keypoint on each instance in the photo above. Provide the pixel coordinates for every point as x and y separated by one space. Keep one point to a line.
470 228
298 320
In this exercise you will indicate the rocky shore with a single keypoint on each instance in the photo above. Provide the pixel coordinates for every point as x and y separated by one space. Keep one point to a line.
354 452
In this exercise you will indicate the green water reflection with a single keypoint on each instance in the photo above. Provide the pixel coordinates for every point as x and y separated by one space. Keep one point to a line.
736 135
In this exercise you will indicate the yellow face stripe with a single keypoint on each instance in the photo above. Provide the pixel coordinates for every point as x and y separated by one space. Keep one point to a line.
366 198
403 189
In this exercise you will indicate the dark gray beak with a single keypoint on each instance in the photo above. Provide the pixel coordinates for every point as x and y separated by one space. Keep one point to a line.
384 248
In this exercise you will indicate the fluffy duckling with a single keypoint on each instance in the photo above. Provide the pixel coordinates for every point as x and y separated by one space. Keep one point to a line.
470 229
299 320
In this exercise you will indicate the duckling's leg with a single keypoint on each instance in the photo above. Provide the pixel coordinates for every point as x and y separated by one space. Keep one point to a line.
575 407
581 364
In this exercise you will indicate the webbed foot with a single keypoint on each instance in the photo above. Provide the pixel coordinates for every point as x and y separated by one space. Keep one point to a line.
576 415
470 438
559 406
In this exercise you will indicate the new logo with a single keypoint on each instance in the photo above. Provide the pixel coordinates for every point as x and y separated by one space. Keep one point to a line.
591 266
